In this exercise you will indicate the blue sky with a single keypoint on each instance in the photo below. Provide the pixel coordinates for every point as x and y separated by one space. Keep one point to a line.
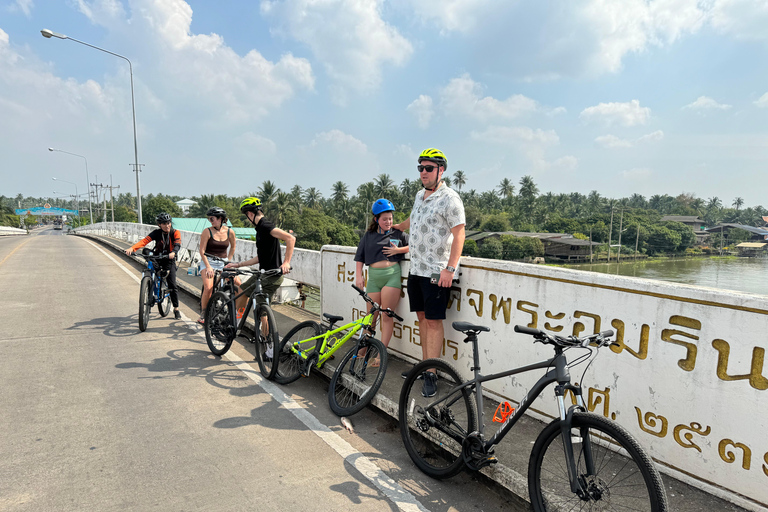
618 96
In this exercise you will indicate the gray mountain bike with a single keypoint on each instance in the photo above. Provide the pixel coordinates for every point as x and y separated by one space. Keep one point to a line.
580 461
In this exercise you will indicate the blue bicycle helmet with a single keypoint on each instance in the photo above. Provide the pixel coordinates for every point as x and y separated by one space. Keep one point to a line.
382 205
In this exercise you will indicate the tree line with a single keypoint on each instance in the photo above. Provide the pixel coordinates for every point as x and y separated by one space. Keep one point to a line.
341 216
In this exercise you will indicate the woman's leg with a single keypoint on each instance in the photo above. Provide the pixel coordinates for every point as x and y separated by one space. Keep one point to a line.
390 297
375 297
206 296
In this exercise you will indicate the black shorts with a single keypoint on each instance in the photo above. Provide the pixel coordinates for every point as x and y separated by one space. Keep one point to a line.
427 297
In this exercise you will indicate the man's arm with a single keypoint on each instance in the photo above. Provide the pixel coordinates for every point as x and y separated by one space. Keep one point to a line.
403 226
446 276
290 242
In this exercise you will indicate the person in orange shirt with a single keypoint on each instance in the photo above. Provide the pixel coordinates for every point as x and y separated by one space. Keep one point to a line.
167 241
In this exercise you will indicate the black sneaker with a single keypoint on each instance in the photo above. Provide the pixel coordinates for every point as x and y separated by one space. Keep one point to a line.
408 372
430 384
177 314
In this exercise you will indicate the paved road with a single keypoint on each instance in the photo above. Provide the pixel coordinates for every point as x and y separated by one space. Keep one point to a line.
98 416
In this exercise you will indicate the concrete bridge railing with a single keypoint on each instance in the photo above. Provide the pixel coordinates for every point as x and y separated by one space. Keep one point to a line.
687 380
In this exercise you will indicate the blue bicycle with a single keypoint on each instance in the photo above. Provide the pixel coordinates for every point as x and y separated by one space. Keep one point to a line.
153 289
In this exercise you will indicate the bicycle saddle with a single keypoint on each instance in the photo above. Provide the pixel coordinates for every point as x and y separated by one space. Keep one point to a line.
333 318
466 326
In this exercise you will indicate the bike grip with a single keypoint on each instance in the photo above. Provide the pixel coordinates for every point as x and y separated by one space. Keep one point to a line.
527 330
358 290
396 316
607 334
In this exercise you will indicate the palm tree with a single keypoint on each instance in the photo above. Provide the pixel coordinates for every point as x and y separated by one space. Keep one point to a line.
340 191
459 179
267 193
528 189
281 205
312 197
506 188
383 185
738 203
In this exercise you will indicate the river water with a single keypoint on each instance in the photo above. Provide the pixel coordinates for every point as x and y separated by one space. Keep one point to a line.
739 274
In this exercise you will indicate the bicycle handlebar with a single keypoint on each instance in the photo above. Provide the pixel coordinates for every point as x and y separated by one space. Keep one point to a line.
387 311
567 341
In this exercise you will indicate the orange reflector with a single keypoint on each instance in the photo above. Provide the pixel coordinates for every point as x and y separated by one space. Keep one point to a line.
502 412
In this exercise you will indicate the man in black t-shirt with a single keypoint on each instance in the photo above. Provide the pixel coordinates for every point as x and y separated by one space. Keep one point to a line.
268 254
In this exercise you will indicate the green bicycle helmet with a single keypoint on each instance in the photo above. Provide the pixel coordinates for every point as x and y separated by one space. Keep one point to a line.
250 204
434 155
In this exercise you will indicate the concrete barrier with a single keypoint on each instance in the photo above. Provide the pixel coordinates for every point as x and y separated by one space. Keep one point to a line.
686 380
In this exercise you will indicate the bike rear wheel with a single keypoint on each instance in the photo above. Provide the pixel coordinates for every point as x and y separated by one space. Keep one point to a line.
266 344
164 306
623 475
355 382
219 331
289 362
145 302
433 435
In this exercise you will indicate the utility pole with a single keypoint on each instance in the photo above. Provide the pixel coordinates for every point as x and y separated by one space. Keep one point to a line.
104 198
111 198
610 235
637 240
621 223
590 244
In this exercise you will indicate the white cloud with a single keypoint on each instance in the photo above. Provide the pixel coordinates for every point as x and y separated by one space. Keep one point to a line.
556 111
24 6
517 134
451 15
340 141
349 37
463 96
763 101
422 110
258 143
405 150
612 141
624 114
637 174
706 103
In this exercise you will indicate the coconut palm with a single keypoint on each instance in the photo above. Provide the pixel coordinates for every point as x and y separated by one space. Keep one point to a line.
340 191
383 185
459 179
506 188
738 203
312 197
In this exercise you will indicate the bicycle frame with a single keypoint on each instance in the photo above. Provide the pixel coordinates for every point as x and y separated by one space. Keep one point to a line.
257 292
323 355
155 279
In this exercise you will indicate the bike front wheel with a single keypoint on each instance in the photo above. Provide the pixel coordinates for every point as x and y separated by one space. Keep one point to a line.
266 342
145 302
434 428
164 306
358 377
289 361
219 331
613 471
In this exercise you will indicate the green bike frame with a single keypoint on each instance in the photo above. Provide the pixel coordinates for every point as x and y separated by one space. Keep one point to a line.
325 352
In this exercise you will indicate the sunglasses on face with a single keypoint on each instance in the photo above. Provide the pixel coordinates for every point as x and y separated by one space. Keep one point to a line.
426 168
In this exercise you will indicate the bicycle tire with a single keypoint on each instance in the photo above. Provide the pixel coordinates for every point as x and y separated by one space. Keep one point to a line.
289 363
355 382
436 449
144 302
219 331
619 481
265 345
164 306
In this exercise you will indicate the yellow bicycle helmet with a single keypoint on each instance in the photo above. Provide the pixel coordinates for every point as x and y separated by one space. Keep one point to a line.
434 155
250 204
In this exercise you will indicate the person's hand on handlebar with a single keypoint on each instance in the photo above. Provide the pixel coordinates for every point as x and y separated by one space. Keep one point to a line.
172 256
285 268
232 265
128 251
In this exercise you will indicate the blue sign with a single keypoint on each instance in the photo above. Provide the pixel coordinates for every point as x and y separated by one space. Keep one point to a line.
40 210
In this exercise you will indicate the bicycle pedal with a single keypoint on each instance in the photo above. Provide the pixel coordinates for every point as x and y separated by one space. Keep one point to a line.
308 364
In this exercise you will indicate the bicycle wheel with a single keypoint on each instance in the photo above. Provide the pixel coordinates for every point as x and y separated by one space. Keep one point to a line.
623 475
145 302
289 362
356 381
164 306
266 343
434 428
219 331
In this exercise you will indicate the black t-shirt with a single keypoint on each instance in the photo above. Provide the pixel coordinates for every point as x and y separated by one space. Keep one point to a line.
370 249
267 246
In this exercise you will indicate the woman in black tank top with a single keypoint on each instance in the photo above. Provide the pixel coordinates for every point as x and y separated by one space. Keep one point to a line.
218 240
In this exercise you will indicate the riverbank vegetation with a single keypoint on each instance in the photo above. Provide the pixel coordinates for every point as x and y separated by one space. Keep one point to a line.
339 217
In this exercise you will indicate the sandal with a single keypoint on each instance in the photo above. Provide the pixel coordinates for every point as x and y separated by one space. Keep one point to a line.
201 321
375 363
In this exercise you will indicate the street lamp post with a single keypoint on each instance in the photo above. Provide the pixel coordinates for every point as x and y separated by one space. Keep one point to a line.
88 180
48 34
77 198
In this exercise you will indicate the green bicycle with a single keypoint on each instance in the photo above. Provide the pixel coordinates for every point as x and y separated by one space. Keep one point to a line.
361 371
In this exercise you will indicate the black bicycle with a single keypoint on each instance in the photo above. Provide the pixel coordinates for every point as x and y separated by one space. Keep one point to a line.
153 288
222 325
580 461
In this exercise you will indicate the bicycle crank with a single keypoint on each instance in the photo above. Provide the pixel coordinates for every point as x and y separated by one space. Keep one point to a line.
474 453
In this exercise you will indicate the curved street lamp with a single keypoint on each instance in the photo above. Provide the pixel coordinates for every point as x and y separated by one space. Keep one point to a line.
88 180
49 34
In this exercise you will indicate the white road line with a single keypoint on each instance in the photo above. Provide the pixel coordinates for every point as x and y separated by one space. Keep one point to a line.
404 500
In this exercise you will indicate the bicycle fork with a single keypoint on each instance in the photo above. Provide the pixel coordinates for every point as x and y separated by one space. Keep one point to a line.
578 482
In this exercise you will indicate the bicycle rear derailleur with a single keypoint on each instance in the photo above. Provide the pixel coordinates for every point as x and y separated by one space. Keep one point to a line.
476 457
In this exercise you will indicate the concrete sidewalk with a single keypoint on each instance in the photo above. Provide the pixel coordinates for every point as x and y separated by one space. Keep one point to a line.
514 450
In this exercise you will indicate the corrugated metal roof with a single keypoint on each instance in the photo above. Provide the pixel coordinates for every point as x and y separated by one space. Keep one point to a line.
192 224
751 229
751 245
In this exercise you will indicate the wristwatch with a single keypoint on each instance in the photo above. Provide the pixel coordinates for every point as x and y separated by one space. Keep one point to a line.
450 269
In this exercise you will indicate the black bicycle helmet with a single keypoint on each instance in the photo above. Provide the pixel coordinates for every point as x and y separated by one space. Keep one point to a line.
162 218
215 211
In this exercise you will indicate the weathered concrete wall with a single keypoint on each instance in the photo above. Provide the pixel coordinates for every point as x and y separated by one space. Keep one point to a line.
686 381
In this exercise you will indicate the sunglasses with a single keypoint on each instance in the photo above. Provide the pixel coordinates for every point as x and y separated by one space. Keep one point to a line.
426 168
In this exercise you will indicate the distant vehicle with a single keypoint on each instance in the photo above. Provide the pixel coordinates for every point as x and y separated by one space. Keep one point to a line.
58 224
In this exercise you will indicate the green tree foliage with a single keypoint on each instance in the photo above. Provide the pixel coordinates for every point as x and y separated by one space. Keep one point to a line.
470 248
662 239
496 222
491 248
313 229
517 248
124 214
152 206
